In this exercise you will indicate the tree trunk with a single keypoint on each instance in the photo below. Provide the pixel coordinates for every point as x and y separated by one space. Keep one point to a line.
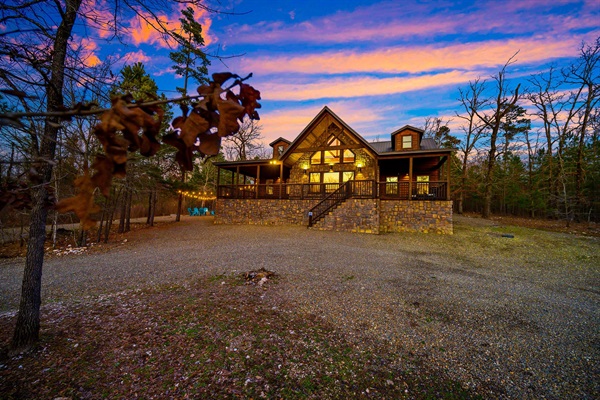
123 210
28 318
129 197
180 200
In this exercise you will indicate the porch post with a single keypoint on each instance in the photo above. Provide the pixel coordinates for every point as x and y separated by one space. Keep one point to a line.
218 181
448 160
280 179
257 182
237 175
410 173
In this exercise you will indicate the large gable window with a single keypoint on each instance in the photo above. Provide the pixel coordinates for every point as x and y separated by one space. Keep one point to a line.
333 156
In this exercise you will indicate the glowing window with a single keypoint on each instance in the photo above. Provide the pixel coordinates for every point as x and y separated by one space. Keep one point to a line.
348 156
316 158
332 156
407 142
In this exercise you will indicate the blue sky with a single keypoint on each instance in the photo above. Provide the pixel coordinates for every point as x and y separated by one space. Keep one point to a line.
378 65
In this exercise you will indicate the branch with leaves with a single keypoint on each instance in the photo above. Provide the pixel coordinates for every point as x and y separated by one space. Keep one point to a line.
129 127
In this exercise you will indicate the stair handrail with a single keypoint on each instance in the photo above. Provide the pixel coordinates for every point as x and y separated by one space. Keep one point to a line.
332 200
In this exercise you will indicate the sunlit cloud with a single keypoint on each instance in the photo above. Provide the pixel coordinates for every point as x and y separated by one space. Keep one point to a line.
145 28
289 122
87 50
415 59
350 87
137 56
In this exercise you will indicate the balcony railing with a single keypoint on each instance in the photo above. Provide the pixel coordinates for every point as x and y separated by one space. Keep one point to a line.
434 190
358 189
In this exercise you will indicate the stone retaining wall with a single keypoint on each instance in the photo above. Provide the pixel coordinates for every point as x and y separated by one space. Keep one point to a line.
415 216
354 215
263 211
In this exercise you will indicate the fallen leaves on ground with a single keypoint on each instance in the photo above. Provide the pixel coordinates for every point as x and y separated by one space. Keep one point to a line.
208 340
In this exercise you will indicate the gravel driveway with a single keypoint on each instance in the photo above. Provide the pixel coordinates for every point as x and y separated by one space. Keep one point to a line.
512 317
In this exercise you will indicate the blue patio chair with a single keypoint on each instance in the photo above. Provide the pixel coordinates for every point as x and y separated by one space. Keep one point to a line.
212 212
196 212
190 211
201 211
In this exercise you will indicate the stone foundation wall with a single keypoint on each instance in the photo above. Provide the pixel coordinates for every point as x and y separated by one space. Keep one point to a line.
415 216
354 215
263 211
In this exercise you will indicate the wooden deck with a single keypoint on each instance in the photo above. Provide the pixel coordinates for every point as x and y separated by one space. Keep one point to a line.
367 189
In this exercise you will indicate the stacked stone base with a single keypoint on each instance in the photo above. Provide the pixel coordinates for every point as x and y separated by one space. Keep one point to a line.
354 215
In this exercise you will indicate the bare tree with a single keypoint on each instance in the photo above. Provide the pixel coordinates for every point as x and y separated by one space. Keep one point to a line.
36 59
244 144
585 73
470 100
497 108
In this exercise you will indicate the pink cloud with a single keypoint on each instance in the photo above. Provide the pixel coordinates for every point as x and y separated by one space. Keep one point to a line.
143 28
288 123
350 87
137 56
87 50
417 59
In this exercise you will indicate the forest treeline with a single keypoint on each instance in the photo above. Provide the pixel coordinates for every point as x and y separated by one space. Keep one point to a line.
528 149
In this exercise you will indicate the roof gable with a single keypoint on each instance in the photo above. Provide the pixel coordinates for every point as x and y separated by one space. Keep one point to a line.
312 136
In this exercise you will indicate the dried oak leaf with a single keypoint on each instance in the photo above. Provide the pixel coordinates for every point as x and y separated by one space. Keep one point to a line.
83 203
220 77
249 98
229 113
102 178
184 153
210 144
134 119
190 127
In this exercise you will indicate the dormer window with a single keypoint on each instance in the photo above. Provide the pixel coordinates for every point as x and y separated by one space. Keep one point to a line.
407 142
280 149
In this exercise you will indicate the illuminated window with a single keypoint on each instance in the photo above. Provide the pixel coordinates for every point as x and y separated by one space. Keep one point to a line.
332 156
407 142
347 176
333 141
423 184
348 156
316 158
391 185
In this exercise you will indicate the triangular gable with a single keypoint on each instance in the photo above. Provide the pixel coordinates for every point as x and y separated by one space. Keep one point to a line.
411 128
308 139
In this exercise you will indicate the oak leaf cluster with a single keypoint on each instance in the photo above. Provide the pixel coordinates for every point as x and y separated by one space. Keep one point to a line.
129 127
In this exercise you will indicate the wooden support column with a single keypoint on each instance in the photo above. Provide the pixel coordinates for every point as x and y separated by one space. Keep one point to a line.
448 162
410 177
257 180
218 181
280 179
237 175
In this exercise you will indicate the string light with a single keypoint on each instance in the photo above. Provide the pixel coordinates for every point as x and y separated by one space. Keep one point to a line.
198 195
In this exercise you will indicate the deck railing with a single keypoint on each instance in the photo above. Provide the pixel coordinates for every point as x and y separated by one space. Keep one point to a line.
435 190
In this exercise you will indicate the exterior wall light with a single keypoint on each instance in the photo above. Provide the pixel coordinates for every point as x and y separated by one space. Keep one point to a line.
331 167
359 167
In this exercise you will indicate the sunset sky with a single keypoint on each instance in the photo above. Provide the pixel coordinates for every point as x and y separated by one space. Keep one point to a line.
378 65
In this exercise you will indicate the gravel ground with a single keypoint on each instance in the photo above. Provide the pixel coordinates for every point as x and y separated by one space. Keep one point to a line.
510 317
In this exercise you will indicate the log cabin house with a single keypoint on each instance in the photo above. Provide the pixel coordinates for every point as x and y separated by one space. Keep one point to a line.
330 178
